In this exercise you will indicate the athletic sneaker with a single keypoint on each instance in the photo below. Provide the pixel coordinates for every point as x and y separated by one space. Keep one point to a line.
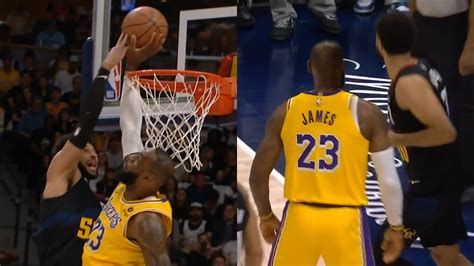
283 29
364 6
399 7
244 17
328 21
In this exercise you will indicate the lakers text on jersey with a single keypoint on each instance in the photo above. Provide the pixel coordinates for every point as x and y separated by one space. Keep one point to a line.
108 244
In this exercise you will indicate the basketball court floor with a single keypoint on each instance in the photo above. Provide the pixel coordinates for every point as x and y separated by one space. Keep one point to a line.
269 73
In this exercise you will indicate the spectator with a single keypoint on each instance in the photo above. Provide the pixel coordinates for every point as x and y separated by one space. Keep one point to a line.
59 9
114 153
26 81
23 101
2 119
28 62
225 229
101 140
244 16
65 123
51 37
231 194
229 171
368 6
199 189
170 189
60 61
106 187
207 155
64 78
180 205
101 164
214 140
9 77
12 114
284 14
55 105
175 237
232 136
199 253
177 256
69 26
218 259
43 87
83 30
43 139
212 208
180 174
5 34
73 98
33 119
101 171
195 225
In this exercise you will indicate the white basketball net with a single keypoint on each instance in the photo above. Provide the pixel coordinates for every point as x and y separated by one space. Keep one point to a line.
173 118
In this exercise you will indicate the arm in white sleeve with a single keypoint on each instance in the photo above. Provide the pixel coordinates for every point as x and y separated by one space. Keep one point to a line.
130 120
392 195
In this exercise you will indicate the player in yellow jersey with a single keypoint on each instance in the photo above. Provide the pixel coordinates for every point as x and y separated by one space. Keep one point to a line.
134 225
326 135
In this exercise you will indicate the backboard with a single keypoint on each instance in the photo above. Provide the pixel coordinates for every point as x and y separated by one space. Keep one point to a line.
180 54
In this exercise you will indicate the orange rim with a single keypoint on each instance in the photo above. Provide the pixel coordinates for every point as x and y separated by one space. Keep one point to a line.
227 86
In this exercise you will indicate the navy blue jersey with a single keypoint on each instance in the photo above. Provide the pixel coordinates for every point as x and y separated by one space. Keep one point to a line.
428 168
65 223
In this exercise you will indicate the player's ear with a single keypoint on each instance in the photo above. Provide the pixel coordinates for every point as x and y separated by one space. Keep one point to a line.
148 176
308 66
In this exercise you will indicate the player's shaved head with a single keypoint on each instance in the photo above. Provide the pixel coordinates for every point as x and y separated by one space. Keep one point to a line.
327 65
328 54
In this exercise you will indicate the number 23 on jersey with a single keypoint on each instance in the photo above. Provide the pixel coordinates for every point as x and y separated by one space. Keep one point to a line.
97 235
328 162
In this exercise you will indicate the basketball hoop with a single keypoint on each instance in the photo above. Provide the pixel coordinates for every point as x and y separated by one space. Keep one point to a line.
175 103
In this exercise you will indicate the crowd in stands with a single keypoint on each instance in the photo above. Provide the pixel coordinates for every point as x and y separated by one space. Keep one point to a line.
40 104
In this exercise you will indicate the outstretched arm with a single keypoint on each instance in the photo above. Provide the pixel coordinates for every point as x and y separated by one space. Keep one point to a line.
130 109
152 238
64 164
130 120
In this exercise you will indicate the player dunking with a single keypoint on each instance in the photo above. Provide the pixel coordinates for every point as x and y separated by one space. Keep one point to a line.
326 135
135 223
68 207
418 108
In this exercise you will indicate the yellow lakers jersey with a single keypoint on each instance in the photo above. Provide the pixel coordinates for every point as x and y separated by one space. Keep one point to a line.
108 244
325 152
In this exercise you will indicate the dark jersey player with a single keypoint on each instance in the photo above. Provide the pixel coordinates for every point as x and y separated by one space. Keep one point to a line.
68 207
421 128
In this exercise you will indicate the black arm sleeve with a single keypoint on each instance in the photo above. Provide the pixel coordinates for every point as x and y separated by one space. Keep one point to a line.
91 110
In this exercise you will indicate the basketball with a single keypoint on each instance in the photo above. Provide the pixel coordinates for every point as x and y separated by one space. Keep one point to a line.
142 22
